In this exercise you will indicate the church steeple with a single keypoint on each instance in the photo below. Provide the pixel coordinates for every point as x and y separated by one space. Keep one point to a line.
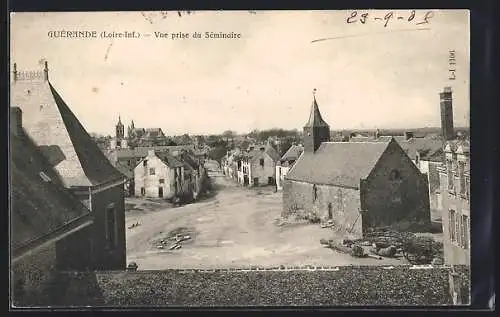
120 129
316 130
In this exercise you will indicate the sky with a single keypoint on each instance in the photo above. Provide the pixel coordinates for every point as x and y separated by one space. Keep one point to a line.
366 75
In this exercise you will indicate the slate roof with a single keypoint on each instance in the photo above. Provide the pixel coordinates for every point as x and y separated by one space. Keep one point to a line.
38 208
315 118
292 153
169 159
429 147
338 163
48 120
269 150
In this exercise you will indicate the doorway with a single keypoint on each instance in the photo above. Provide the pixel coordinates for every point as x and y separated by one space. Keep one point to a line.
160 192
256 181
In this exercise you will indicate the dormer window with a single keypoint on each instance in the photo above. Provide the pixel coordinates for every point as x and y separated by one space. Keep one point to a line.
395 175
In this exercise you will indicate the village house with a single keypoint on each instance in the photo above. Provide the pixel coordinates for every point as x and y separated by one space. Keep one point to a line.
258 166
357 185
286 162
455 196
50 227
126 159
162 175
230 164
83 168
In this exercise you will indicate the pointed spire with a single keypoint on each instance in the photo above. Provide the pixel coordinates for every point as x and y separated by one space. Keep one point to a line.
119 120
315 119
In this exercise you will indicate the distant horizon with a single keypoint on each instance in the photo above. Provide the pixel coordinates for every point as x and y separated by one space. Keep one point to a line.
299 130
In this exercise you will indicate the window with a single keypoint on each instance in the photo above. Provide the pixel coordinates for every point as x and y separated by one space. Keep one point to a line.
162 181
129 163
145 163
458 229
262 162
449 171
461 175
451 225
465 232
315 192
466 187
110 215
395 175
151 171
143 191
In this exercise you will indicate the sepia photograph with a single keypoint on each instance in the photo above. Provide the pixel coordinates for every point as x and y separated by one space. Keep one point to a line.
239 159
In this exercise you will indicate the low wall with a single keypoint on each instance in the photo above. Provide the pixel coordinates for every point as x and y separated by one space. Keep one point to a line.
374 285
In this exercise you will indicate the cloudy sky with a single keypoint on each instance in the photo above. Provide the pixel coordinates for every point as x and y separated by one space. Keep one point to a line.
366 75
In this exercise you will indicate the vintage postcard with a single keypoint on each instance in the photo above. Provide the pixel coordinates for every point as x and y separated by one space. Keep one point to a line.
240 158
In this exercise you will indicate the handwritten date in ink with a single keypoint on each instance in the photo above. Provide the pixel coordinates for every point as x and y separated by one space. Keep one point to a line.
451 65
412 17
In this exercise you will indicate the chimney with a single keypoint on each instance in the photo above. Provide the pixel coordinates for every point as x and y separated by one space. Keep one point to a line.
16 121
14 72
408 135
46 71
447 114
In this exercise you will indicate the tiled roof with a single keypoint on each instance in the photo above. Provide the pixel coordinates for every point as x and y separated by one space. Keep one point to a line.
169 159
142 151
38 207
338 163
50 123
292 153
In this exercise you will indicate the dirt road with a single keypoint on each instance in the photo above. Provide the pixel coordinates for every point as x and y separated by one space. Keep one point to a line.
236 228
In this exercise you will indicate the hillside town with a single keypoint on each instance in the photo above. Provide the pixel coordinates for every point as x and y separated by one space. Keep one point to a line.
144 200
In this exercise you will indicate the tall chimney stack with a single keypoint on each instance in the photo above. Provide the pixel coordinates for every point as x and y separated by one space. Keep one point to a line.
14 72
447 114
16 121
46 71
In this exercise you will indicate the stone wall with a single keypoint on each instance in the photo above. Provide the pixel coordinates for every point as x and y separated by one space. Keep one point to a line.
32 278
374 285
339 204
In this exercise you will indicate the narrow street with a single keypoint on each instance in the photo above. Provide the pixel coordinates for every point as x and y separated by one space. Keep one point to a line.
236 228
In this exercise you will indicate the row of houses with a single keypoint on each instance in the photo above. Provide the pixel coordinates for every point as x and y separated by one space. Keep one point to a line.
255 166
161 171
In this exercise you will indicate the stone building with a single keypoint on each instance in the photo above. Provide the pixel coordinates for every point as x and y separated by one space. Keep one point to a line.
358 185
286 162
455 195
50 227
83 169
258 166
161 175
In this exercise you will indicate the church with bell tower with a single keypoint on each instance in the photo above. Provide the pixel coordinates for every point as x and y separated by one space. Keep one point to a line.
316 130
119 141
